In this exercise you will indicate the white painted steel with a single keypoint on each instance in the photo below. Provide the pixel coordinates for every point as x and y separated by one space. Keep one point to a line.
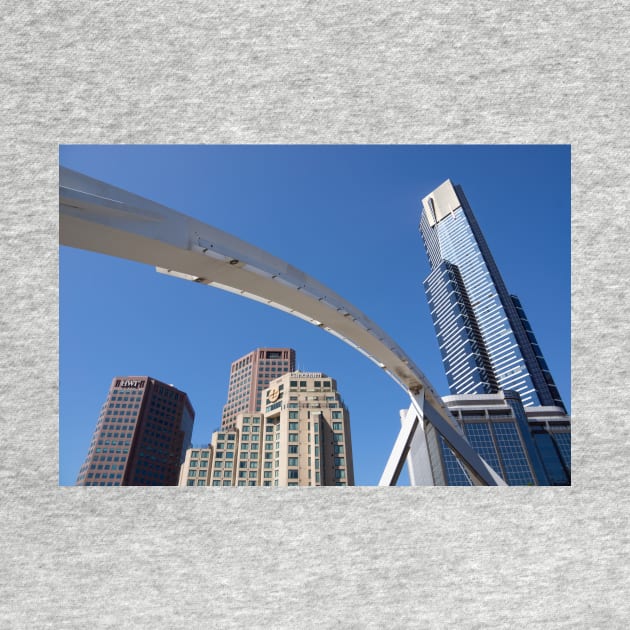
99 217
406 436
418 462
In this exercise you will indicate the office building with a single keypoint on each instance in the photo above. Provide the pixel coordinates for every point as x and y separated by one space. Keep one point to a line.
488 349
524 445
238 452
141 436
310 425
485 338
301 439
195 470
550 428
496 427
249 376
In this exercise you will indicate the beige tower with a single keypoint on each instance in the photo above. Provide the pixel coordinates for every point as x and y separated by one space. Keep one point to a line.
195 470
310 426
301 439
237 452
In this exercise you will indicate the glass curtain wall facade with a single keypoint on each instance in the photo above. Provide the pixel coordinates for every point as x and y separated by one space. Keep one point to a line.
550 429
525 446
485 338
496 426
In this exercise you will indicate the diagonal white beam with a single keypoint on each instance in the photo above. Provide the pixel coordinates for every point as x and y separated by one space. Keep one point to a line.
396 461
411 446
459 444
418 459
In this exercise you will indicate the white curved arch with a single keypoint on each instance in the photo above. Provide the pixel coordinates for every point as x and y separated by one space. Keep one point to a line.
99 217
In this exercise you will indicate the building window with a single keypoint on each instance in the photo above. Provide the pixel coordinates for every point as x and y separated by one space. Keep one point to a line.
191 482
293 474
336 414
293 426
293 437
293 461
336 426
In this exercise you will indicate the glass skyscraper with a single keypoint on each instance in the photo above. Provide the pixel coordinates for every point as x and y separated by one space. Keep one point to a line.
490 355
485 339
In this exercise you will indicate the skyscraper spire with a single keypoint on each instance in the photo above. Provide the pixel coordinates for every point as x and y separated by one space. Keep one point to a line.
485 338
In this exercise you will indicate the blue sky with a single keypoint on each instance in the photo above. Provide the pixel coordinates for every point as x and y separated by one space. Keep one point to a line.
346 215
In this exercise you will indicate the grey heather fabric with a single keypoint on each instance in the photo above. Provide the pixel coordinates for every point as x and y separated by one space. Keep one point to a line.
303 72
